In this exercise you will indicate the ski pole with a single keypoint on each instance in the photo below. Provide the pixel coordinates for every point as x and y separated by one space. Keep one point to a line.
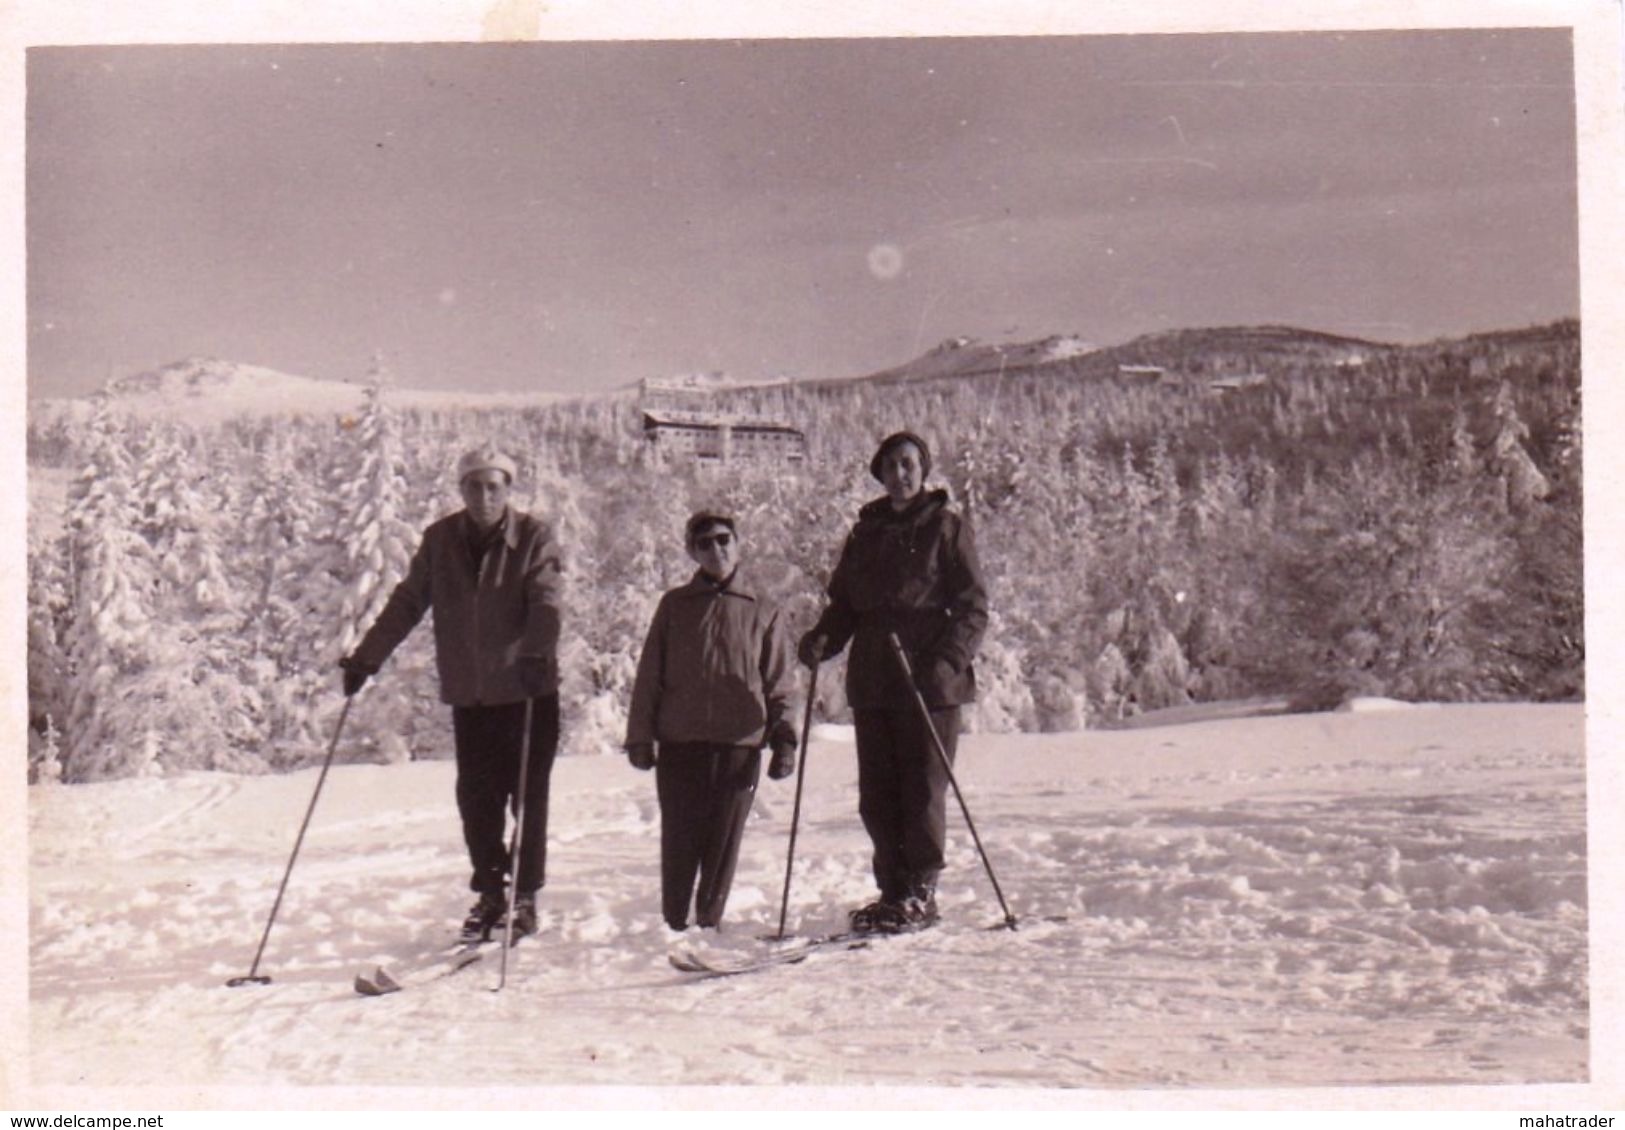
252 976
795 812
947 765
518 842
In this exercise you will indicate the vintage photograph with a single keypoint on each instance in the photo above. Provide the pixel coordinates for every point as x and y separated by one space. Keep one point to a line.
902 562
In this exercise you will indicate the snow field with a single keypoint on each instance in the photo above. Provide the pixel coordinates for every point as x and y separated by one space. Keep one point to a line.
1372 898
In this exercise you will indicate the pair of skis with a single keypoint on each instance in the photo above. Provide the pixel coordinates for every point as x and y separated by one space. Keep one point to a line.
456 958
792 951
689 959
381 981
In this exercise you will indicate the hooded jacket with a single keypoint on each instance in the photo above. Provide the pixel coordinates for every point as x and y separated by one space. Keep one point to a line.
489 610
913 572
715 669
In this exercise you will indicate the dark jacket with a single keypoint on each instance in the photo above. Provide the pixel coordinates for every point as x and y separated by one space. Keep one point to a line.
915 573
488 610
715 669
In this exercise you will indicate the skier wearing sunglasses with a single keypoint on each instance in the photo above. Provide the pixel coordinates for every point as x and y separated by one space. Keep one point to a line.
713 687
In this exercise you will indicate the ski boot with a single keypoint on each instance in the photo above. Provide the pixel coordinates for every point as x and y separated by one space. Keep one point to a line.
485 915
879 917
524 915
918 911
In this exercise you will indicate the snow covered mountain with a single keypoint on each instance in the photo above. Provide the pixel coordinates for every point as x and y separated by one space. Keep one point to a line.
969 357
206 390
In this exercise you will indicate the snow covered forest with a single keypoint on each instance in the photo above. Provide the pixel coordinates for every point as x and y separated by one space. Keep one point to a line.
1407 526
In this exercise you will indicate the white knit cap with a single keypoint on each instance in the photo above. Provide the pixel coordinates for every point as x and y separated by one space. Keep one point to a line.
486 459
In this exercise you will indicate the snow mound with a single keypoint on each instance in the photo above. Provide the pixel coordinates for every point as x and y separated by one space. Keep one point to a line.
1374 704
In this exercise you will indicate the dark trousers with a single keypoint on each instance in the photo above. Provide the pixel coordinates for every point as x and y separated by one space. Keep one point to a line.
705 792
902 795
488 740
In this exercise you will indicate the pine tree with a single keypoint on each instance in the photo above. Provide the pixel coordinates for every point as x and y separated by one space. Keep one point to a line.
1522 482
374 547
1462 461
214 716
49 606
1542 641
622 561
1568 441
1004 700
375 541
108 643
45 754
1220 604
286 623
1109 682
1163 678
182 527
1389 584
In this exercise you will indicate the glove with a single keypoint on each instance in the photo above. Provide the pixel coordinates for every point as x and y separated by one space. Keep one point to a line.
783 762
642 755
938 674
533 675
356 674
813 648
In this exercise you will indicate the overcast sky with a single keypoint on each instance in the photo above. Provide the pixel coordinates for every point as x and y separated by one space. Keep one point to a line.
575 216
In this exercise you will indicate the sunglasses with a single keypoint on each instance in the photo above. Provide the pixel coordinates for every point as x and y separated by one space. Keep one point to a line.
721 541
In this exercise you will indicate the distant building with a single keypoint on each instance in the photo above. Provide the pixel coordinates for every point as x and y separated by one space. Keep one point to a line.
1064 347
1146 372
1236 380
709 439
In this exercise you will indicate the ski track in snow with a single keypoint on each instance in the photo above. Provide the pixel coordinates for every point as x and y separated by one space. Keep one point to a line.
1297 901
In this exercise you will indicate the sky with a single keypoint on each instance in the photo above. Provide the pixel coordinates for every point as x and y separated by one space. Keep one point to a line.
577 216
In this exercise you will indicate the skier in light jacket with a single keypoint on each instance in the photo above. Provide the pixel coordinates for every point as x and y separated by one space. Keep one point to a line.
492 575
908 567
713 687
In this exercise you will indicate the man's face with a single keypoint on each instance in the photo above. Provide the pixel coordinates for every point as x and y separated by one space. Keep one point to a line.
485 493
716 550
902 473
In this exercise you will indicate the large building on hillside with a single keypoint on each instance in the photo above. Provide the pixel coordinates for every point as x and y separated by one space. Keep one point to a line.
706 438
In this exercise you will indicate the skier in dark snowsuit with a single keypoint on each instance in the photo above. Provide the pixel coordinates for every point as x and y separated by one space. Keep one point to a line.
492 575
908 567
713 687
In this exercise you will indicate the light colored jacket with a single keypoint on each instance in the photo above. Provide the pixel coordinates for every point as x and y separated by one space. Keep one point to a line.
486 615
715 668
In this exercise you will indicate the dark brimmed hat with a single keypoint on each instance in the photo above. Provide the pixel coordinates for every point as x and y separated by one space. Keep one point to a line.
894 440
701 519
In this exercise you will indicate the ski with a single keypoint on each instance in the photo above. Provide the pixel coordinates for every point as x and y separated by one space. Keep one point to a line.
454 959
380 982
689 959
692 960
